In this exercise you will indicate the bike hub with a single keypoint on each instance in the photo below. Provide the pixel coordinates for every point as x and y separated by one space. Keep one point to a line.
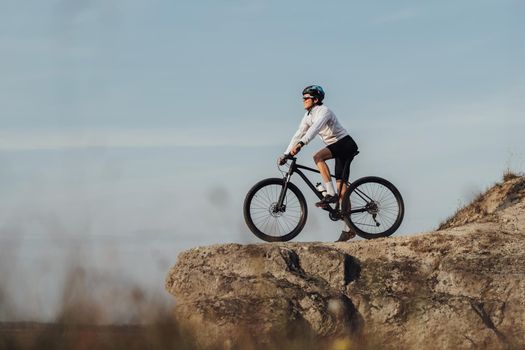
275 211
372 208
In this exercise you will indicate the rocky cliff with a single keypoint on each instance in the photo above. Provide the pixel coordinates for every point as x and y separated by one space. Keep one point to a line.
461 287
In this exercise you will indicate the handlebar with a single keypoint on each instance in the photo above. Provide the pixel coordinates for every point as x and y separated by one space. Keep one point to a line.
288 157
284 159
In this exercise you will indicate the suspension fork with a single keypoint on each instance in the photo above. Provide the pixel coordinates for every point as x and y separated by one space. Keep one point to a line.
282 195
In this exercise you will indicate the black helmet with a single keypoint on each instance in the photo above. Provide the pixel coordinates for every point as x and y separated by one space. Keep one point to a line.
315 91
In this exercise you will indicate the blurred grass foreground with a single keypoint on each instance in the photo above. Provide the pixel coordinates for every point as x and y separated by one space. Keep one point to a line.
164 334
98 312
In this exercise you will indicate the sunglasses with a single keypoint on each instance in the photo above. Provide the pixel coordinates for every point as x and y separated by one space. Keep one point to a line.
307 98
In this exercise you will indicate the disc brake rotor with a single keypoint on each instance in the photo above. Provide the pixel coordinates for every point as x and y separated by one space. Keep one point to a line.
276 212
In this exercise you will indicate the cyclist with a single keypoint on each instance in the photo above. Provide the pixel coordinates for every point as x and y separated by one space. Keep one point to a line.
320 120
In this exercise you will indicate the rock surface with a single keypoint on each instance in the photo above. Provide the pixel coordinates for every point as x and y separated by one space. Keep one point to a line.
462 287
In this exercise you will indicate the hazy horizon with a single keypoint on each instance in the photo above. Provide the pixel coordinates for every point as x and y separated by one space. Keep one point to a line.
131 131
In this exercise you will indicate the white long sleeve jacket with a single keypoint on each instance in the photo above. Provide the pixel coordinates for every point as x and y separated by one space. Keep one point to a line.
319 120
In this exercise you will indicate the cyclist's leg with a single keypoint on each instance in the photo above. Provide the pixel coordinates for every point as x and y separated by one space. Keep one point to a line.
320 159
342 174
341 188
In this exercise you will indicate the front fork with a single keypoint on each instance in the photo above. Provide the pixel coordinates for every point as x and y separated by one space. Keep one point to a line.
280 203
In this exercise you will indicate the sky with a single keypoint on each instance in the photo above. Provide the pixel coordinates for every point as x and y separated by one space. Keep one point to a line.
132 130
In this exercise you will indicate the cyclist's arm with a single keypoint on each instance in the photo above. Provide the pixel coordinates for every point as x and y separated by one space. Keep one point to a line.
303 128
318 124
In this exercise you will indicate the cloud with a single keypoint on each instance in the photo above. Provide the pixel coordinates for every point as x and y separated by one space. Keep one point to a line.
247 7
396 16
45 139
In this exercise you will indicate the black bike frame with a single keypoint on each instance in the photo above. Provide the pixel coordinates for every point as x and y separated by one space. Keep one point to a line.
295 168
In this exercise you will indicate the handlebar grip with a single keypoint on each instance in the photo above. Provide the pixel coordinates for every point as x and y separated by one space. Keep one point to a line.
285 158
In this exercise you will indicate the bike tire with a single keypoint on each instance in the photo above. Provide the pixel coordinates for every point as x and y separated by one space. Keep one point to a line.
267 224
389 208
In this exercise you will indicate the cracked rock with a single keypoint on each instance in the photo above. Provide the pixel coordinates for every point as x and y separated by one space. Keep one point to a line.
461 287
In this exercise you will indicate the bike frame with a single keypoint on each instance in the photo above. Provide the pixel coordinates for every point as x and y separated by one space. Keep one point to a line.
296 168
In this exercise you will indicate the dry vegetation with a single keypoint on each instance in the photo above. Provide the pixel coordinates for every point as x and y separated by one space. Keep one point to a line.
163 334
82 323
510 175
478 209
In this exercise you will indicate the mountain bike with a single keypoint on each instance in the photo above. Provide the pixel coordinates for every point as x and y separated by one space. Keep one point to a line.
275 209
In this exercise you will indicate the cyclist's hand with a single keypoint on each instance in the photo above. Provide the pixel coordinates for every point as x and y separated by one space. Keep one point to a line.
296 149
282 159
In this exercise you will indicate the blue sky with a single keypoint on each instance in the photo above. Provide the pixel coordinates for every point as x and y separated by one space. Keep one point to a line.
138 127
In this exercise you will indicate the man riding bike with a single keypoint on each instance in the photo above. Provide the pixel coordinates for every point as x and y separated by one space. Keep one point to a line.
320 120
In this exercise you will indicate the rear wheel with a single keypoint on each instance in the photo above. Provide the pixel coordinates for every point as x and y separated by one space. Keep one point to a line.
374 207
269 222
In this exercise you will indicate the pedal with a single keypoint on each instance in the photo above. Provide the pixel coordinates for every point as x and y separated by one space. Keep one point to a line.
324 207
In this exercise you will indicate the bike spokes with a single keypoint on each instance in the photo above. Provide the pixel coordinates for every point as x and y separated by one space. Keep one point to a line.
375 208
270 218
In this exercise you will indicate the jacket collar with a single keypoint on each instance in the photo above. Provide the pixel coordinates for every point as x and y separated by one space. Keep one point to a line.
312 109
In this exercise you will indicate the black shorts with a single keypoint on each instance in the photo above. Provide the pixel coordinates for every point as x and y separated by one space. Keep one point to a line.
343 151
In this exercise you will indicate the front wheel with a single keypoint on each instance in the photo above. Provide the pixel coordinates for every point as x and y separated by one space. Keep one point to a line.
266 219
374 207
